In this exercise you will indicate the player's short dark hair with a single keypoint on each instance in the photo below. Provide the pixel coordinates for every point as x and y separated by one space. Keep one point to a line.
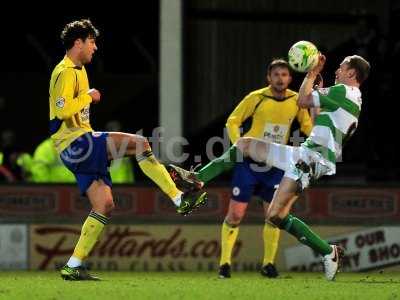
81 29
278 63
360 65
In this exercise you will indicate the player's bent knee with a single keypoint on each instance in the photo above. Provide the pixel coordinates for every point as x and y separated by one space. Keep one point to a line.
106 206
109 206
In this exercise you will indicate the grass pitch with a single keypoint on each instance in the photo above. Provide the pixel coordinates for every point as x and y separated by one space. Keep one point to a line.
162 286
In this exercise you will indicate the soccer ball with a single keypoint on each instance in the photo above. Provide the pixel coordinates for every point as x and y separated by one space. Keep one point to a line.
303 56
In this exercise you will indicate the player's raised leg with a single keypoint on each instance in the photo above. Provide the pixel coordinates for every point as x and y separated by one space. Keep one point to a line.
101 199
124 144
262 151
222 163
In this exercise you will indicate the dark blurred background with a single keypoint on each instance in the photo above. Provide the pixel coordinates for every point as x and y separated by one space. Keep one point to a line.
226 48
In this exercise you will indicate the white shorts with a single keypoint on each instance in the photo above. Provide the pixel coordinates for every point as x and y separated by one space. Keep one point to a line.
295 161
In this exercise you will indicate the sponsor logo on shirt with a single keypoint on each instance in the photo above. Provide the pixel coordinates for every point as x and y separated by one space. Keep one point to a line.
275 133
85 114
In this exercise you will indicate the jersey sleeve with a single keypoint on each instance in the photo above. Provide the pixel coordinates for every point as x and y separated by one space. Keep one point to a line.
242 111
66 105
329 98
304 118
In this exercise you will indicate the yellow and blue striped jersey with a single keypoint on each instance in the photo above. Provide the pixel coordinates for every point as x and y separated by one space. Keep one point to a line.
272 118
69 104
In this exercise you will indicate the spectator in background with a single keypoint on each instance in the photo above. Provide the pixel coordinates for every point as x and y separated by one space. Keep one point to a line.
45 166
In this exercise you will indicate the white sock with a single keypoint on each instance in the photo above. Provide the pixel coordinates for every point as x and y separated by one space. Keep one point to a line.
74 262
178 199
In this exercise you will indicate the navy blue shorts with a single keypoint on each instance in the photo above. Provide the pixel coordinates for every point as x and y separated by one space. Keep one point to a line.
250 179
87 158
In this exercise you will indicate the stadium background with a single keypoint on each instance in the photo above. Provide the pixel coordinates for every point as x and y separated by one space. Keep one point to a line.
184 65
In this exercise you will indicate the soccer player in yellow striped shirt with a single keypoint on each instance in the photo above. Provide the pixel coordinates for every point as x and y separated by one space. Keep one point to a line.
87 154
272 109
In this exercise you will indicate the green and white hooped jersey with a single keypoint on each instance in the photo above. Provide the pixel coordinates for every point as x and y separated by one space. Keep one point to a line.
340 108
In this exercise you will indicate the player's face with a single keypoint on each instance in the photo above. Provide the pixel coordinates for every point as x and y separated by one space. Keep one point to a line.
88 49
279 79
343 73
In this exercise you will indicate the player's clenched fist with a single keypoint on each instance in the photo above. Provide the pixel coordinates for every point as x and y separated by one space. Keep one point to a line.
95 94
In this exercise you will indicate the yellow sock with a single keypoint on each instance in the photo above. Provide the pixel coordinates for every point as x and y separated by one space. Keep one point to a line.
157 172
271 241
228 239
90 233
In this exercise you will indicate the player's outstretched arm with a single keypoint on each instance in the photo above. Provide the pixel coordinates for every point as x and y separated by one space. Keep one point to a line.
305 99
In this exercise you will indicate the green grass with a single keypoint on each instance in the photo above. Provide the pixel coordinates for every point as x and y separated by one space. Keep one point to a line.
162 286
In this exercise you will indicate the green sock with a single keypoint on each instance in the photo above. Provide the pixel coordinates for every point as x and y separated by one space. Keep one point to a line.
305 235
219 165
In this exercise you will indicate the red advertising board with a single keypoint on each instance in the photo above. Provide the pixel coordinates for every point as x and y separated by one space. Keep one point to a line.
140 204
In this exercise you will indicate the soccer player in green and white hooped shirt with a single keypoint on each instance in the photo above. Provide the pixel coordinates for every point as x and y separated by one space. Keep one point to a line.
340 107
